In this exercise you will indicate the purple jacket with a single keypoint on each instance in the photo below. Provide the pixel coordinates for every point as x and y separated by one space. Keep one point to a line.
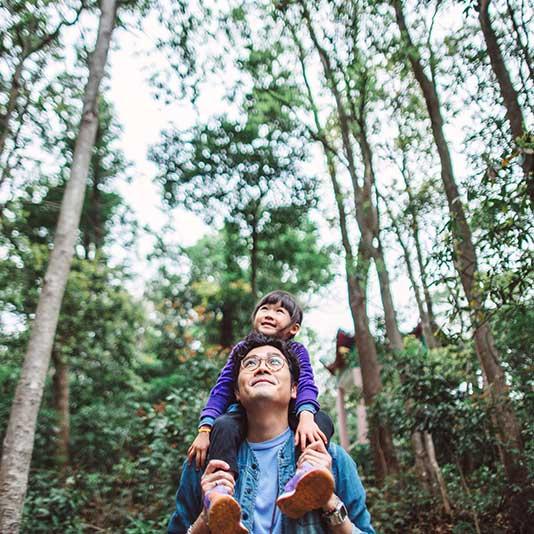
222 394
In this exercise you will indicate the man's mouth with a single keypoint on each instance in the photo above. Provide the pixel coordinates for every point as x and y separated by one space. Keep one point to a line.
261 380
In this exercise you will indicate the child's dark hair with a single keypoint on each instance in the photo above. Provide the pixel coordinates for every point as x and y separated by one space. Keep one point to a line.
287 300
257 339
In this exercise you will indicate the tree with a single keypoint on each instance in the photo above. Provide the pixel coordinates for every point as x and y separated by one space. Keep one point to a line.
356 269
29 34
509 95
467 267
18 444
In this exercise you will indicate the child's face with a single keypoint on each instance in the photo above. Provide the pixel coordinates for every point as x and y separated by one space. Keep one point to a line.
274 320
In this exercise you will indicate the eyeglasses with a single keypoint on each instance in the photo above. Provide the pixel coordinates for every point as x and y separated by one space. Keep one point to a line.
273 362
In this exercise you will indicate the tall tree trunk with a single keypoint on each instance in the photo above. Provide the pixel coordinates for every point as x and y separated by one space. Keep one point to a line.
432 342
380 436
372 232
61 405
508 93
466 265
254 258
427 331
95 209
18 443
519 40
14 91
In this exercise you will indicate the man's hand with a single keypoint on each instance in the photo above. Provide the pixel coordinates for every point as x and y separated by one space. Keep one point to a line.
217 473
317 455
198 450
307 430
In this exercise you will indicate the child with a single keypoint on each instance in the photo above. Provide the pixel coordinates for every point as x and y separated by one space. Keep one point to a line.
277 314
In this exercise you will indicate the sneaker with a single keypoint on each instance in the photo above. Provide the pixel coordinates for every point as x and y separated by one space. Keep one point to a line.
224 512
309 489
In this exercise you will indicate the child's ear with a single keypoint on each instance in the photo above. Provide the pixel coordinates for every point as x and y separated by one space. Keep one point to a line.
294 329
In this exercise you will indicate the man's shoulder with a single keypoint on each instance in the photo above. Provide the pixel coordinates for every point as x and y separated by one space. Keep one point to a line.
337 451
340 457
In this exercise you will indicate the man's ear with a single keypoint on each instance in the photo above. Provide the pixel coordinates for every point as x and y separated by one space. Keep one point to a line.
293 391
236 393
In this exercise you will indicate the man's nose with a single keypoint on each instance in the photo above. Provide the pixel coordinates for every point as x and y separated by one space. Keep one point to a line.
262 367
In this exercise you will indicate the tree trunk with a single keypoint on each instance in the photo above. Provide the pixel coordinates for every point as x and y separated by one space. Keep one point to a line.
436 472
95 209
427 331
18 443
466 265
61 404
14 92
508 93
420 261
520 44
380 436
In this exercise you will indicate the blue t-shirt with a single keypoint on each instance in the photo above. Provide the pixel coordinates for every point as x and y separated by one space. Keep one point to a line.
267 516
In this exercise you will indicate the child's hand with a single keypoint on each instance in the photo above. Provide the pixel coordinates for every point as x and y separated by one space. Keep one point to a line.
308 431
199 449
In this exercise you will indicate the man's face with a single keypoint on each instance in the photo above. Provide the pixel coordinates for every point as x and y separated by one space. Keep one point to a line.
262 383
274 320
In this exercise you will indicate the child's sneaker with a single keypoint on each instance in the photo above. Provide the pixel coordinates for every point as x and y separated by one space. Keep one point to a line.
224 512
309 489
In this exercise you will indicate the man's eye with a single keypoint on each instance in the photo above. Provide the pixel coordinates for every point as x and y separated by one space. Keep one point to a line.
249 363
275 362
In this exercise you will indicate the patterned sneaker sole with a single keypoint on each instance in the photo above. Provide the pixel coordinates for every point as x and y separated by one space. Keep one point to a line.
313 491
224 516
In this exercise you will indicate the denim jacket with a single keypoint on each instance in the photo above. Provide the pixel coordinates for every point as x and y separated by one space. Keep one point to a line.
348 488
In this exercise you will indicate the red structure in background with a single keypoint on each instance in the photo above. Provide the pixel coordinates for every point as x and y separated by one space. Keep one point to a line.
347 378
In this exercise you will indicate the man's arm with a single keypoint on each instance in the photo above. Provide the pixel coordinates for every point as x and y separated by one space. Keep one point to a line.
188 501
189 516
349 489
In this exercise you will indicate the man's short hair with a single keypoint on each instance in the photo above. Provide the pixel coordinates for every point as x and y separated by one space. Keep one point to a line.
288 302
256 339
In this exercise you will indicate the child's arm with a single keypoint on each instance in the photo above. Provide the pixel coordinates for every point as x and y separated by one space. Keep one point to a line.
221 396
306 404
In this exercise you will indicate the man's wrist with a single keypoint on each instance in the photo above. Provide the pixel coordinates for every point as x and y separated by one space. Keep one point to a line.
331 504
335 513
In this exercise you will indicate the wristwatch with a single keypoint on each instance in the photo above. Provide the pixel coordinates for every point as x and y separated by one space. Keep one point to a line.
336 516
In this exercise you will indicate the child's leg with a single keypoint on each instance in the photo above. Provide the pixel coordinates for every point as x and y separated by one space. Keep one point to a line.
323 421
227 434
325 424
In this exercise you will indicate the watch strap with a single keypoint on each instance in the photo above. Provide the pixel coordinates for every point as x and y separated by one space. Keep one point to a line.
337 515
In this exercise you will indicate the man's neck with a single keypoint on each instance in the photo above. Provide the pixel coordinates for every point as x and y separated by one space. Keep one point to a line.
265 424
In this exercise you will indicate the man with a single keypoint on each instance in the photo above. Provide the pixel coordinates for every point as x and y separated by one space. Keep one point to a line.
266 375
